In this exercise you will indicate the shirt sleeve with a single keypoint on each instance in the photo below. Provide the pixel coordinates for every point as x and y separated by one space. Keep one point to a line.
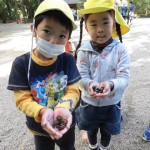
18 76
84 69
25 103
123 70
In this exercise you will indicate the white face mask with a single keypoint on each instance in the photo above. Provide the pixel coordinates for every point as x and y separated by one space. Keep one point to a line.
49 50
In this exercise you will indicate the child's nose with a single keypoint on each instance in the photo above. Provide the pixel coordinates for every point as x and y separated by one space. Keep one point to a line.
100 29
54 40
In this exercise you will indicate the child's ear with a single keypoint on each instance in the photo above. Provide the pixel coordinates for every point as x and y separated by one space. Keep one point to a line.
33 30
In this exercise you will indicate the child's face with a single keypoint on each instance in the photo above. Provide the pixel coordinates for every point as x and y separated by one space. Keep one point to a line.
52 31
100 26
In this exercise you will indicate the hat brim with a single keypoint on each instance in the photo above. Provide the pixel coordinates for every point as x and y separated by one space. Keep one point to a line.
94 10
54 5
72 21
118 18
123 25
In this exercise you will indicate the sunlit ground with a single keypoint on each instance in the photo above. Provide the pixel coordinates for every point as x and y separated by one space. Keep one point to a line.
5 69
136 112
15 39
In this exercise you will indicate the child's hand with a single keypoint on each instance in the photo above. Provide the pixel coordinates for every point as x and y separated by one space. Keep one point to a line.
47 121
84 136
91 88
49 117
106 88
66 116
100 90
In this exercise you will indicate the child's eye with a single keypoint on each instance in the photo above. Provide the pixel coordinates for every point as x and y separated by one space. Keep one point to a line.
62 36
106 22
93 24
47 32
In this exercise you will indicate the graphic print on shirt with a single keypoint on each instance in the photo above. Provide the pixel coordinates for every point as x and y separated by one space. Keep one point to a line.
47 91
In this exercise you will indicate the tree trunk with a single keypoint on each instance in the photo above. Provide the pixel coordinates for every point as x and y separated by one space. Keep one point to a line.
16 11
8 8
30 11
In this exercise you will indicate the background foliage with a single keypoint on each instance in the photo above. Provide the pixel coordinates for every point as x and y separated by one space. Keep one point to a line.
17 9
24 9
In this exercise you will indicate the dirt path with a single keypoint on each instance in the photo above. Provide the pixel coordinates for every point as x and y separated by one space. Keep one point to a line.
136 109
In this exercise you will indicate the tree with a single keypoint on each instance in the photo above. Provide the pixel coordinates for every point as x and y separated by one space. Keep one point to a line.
80 5
8 8
13 9
2 11
142 6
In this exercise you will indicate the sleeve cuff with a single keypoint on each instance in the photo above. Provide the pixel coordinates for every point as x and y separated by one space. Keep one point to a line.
37 116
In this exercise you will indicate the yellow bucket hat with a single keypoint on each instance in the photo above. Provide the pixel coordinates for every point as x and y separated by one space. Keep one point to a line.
96 6
60 5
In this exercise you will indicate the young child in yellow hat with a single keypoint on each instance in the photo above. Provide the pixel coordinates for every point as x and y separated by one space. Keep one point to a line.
45 80
103 63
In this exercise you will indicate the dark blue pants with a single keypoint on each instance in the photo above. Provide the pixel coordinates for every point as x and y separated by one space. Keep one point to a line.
105 137
65 143
92 118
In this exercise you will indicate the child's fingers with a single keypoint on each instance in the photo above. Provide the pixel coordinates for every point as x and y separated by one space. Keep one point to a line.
47 127
84 137
86 141
91 92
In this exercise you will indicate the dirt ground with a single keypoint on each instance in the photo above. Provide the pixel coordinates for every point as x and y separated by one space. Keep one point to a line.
14 135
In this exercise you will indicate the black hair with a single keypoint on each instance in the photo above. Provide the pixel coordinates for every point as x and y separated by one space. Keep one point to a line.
56 15
81 32
118 30
84 18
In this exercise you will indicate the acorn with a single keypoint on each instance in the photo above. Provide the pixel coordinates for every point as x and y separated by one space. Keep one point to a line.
98 90
60 123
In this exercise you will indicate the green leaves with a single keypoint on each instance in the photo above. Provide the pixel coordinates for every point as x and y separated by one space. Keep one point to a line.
25 8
